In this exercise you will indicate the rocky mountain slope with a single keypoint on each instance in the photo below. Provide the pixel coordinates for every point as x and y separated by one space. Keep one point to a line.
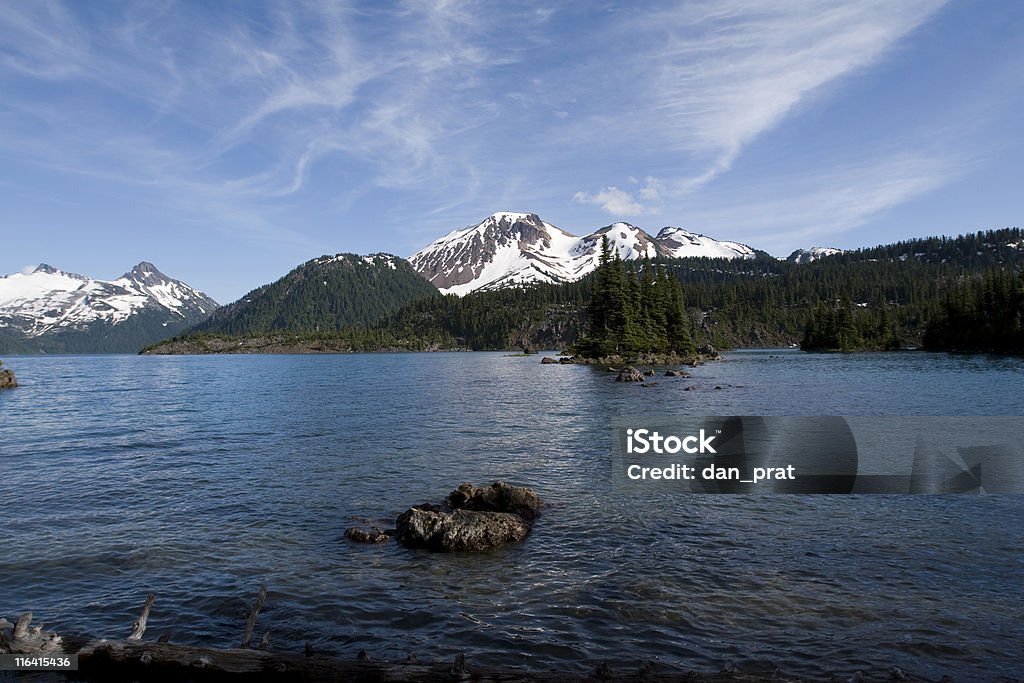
53 311
513 248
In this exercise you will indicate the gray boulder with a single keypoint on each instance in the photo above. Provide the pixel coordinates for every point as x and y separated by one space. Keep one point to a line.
459 530
629 374
498 497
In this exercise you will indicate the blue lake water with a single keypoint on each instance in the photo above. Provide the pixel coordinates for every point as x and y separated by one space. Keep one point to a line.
198 478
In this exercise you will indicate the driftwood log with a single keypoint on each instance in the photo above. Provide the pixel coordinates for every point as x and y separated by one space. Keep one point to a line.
139 627
135 659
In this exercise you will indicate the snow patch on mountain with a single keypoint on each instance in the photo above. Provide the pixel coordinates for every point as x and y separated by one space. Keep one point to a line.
685 244
48 299
510 248
812 254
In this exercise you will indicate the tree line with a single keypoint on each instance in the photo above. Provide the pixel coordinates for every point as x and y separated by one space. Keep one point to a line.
982 313
880 298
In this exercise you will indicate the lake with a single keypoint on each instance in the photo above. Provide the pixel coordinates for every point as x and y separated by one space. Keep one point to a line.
198 478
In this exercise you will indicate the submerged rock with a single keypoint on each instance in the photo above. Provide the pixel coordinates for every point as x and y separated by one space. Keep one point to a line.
459 530
548 360
498 497
7 380
676 373
567 360
630 374
368 535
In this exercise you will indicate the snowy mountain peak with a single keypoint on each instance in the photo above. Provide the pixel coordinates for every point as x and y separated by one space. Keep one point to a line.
510 248
145 273
505 248
145 269
49 300
681 243
513 216
628 240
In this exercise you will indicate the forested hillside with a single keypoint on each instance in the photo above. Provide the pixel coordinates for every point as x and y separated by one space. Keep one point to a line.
326 294
981 313
879 298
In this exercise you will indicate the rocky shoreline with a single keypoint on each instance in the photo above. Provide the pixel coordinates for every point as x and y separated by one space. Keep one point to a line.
270 344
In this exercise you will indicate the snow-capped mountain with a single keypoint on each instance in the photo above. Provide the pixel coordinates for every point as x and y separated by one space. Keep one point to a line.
51 310
681 243
514 248
812 254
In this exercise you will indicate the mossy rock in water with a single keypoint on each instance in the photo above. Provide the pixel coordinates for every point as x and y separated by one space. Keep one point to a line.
7 380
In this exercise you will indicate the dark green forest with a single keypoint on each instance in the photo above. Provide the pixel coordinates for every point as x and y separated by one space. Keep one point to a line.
326 294
981 314
126 337
884 297
634 308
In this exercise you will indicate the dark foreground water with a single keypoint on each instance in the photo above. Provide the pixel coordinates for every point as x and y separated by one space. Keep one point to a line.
198 478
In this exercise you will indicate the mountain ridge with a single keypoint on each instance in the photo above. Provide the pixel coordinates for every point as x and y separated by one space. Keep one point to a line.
763 302
517 248
51 311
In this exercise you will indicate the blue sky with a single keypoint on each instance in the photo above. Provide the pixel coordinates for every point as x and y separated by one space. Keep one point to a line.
228 142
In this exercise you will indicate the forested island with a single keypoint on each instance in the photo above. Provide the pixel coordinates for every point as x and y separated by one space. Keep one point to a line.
940 293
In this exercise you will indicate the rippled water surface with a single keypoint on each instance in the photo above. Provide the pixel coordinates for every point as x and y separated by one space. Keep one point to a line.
198 478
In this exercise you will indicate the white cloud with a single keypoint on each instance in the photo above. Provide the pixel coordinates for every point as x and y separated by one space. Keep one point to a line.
613 200
229 117
622 203
651 191
714 75
255 120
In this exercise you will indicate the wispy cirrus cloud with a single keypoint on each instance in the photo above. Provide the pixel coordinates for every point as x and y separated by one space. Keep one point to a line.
238 109
720 74
286 122
809 208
